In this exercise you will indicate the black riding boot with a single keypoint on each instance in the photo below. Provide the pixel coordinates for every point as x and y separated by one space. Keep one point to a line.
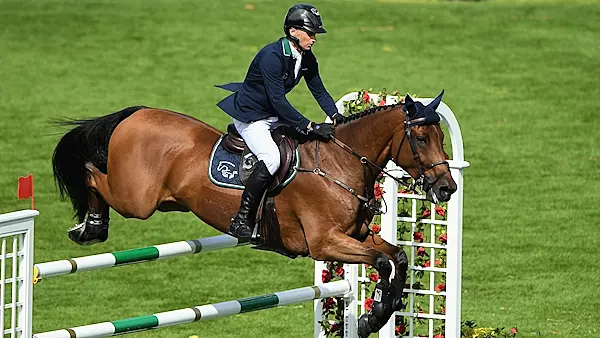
242 224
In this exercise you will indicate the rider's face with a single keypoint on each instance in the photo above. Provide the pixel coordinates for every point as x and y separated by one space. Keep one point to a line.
307 39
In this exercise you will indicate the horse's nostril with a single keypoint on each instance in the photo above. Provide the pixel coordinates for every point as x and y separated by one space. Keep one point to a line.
445 192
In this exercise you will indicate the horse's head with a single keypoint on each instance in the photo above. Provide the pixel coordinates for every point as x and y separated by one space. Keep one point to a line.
420 149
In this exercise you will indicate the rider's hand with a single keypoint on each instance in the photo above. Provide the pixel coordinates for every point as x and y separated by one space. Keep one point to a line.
337 118
323 130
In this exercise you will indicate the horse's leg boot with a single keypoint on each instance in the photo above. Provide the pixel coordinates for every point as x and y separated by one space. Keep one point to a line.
243 222
93 230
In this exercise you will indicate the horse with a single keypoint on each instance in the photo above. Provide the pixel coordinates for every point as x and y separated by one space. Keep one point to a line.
141 159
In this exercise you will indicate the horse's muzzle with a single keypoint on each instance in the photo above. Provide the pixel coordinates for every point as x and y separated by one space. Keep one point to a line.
441 190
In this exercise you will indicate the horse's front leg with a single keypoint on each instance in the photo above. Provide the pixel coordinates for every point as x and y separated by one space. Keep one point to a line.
335 245
400 260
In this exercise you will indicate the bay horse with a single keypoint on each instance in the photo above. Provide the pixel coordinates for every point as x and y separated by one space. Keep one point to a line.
141 159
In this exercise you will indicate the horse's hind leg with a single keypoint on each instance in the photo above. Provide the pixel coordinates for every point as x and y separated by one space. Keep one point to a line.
337 246
94 228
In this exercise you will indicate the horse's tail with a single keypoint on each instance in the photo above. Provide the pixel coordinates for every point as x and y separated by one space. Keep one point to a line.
86 143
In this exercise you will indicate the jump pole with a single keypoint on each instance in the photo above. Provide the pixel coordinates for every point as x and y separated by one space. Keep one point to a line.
203 313
118 258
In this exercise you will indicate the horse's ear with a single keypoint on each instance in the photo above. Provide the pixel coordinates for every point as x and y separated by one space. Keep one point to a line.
409 105
436 102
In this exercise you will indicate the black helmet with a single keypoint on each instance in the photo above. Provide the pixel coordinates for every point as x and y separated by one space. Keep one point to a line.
305 17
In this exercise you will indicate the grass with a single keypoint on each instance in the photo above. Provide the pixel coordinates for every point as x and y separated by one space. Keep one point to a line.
521 76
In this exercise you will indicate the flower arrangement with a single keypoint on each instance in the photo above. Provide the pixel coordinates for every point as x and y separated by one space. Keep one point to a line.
427 257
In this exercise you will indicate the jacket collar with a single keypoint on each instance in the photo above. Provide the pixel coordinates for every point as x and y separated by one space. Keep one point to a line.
289 50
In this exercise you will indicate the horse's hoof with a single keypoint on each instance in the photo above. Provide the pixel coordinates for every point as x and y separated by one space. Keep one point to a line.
364 329
84 234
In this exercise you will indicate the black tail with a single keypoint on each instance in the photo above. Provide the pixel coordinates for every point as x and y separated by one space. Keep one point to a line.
86 143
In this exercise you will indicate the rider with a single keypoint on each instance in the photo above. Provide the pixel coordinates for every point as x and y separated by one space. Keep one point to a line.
258 105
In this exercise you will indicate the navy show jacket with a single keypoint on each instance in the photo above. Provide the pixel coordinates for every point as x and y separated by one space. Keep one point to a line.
271 76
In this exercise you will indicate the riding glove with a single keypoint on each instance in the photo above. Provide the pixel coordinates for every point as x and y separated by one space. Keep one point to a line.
323 130
337 118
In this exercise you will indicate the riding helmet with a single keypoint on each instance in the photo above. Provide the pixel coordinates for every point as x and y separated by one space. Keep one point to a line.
305 17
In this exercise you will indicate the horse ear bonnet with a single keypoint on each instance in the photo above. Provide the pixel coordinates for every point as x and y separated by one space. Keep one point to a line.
419 114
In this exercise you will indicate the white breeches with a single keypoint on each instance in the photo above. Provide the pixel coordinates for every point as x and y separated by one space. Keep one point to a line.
257 136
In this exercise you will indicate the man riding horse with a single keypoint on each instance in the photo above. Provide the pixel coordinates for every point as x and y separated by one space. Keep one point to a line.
258 105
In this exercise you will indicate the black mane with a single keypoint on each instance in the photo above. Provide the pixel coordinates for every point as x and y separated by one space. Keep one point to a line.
357 116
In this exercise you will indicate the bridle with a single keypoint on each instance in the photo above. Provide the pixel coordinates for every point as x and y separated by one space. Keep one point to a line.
421 180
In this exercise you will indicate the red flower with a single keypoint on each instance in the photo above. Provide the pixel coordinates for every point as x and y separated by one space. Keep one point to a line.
421 251
380 175
438 336
335 327
444 310
400 329
438 262
440 287
404 191
440 211
513 330
369 304
366 97
426 264
426 213
339 271
376 228
374 276
329 303
382 102
378 191
326 276
443 238
418 237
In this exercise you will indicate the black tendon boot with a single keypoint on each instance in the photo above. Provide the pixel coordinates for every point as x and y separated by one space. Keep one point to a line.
243 222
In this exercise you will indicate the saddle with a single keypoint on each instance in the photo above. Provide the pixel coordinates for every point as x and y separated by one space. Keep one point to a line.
266 234
235 144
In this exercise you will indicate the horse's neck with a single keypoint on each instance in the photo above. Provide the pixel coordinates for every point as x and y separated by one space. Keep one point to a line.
371 135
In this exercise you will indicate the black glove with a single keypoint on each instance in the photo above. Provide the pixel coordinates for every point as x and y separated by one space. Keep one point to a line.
337 118
323 130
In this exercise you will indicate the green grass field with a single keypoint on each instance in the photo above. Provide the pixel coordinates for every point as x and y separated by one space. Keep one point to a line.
521 77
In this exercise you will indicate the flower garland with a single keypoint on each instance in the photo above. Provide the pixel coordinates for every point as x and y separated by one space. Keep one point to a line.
333 308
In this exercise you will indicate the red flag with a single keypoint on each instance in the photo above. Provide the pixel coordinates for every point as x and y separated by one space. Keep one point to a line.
25 188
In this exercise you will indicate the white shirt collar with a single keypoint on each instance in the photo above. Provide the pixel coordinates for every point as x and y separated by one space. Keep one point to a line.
295 53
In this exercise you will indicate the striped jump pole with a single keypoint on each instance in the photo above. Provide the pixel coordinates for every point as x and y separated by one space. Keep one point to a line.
117 258
202 313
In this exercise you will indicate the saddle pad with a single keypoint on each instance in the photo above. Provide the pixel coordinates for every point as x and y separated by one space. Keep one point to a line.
224 168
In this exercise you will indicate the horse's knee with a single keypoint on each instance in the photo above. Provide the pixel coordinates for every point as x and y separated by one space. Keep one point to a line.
382 265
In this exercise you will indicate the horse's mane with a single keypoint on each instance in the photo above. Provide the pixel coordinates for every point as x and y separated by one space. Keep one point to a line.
357 116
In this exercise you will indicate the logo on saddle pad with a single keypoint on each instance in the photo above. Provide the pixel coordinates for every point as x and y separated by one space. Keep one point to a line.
226 169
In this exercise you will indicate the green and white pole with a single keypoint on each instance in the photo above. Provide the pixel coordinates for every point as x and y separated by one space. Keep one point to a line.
202 313
111 259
